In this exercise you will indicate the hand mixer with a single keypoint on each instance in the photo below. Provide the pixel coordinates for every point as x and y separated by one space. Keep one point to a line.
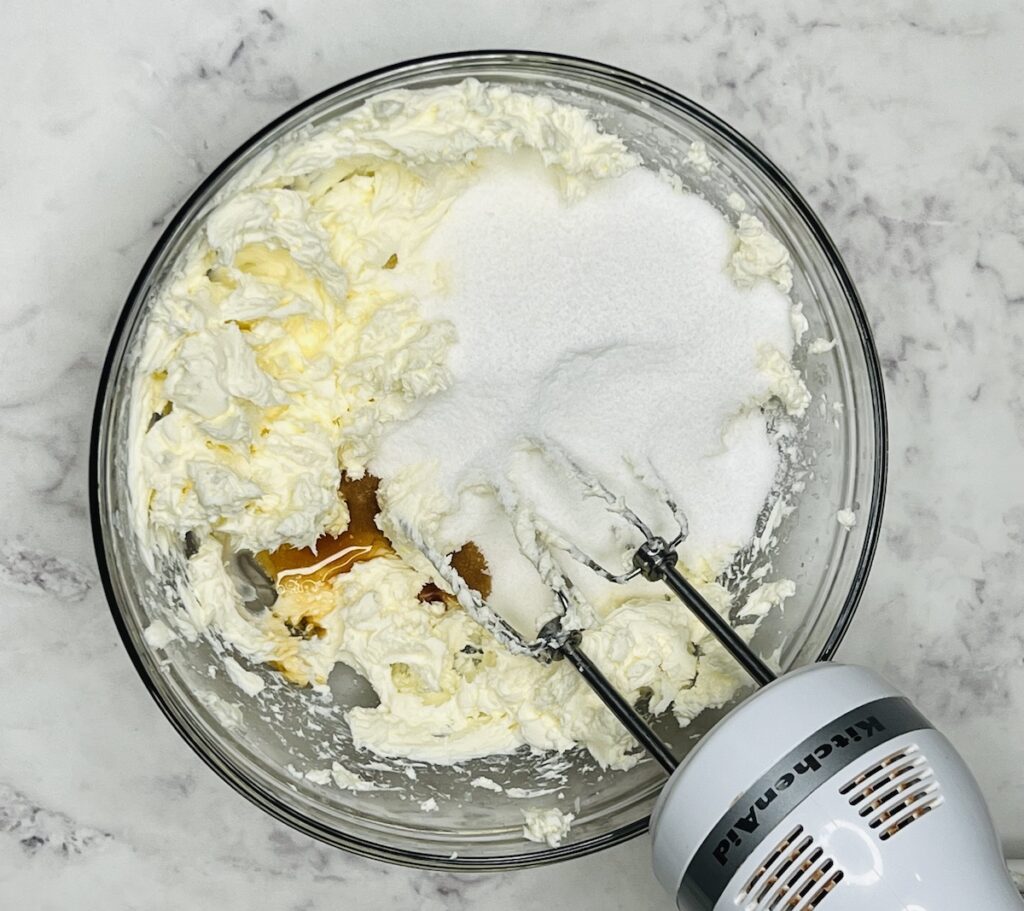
825 788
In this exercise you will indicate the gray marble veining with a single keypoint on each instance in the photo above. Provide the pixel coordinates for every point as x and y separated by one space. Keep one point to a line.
901 122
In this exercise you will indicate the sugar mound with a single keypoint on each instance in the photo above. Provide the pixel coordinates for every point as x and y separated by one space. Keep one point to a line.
611 326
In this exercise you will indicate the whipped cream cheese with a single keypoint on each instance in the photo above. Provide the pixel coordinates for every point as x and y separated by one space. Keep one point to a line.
759 255
296 344
547 826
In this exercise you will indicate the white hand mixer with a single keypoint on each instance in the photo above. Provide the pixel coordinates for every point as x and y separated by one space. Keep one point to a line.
824 789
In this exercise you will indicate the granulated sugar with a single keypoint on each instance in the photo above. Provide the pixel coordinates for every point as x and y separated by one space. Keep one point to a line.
612 326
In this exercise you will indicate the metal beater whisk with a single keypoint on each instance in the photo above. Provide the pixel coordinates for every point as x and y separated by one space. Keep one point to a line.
654 559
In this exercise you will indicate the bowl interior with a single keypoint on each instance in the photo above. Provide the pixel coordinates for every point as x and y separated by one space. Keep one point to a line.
255 743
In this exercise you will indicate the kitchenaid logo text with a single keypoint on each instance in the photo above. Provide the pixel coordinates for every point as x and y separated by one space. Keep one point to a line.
749 822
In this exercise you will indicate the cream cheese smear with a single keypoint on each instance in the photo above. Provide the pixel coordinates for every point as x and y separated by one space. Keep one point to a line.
379 321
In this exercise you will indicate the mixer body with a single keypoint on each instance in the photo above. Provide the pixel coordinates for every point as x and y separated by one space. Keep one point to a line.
827 789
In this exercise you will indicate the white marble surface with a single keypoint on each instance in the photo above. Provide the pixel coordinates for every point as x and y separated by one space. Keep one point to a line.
901 121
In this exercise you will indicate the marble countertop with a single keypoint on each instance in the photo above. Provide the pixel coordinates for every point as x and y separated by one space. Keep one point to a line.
902 123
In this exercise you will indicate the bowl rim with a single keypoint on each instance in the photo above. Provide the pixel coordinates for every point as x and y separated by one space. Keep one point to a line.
210 752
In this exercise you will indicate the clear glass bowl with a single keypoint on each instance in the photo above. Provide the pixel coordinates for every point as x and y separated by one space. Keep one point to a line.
475 828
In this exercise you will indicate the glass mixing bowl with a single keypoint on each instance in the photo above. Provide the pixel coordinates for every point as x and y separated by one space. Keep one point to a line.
252 743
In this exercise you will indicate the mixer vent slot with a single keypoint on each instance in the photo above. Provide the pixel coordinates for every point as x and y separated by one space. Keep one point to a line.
894 792
794 876
822 892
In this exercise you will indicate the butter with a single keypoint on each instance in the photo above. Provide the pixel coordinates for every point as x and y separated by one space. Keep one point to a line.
290 337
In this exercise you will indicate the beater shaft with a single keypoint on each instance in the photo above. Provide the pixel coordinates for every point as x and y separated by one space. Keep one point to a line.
656 560
628 716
